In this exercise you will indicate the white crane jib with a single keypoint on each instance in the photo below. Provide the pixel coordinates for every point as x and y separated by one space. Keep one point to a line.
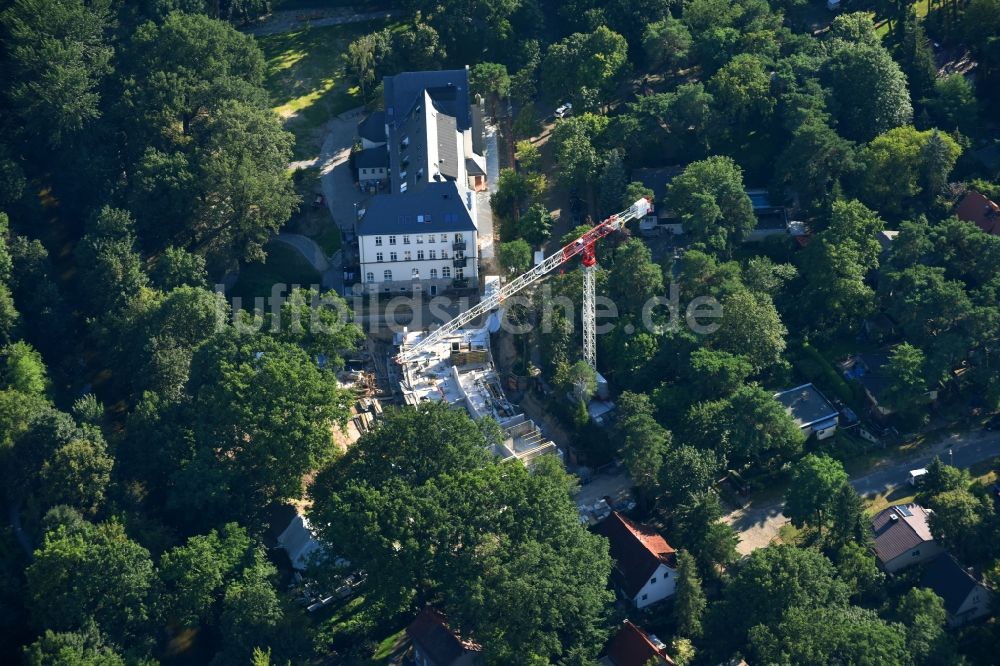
584 245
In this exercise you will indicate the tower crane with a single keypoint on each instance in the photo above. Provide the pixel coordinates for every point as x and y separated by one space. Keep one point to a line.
584 245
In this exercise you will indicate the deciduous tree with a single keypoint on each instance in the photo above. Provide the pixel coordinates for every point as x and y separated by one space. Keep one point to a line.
585 67
816 481
712 203
869 93
95 574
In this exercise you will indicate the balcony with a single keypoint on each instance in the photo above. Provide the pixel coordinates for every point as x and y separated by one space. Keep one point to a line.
459 263
458 246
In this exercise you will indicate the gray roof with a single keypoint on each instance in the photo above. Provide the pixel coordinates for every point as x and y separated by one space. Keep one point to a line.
371 158
426 107
947 579
373 127
473 168
449 88
657 179
447 146
874 378
895 536
439 207
806 405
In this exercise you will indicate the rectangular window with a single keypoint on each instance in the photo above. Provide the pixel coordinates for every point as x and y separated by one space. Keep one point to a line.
364 171
434 273
406 240
392 240
652 581
446 272
458 238
459 273
644 597
431 238
393 256
444 238
378 256
415 274
433 254
387 276
378 241
369 277
420 239
420 255
406 256
444 254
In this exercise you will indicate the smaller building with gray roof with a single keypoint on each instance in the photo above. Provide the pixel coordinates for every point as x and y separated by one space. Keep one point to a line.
810 410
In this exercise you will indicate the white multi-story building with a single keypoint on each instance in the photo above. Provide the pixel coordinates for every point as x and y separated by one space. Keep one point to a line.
421 235
421 242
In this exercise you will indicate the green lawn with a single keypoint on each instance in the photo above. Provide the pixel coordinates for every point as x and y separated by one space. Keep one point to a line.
284 264
306 79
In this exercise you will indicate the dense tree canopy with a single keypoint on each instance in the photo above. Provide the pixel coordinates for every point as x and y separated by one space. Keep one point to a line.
505 574
711 201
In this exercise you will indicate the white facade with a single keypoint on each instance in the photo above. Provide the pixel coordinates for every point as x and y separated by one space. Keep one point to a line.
976 605
368 174
662 584
417 262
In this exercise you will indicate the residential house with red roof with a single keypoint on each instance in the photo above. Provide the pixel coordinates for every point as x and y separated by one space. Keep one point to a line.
632 646
903 537
645 564
979 210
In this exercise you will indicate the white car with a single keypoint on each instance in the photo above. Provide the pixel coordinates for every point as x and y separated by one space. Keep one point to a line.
564 110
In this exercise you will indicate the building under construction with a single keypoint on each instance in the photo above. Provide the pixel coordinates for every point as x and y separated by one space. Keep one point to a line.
458 370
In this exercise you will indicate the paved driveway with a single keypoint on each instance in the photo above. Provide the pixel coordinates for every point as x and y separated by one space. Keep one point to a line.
758 525
336 179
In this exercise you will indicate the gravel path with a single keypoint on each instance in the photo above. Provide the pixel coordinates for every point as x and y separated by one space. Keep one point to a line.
289 20
758 525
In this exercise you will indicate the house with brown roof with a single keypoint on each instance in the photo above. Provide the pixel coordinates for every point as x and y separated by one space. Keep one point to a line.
435 644
645 564
903 537
979 210
632 646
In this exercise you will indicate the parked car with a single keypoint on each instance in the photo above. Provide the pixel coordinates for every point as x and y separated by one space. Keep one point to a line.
564 110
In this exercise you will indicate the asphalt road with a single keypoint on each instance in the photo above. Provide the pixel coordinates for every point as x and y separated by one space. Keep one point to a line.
759 524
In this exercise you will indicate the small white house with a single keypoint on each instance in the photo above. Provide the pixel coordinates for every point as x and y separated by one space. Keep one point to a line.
810 410
645 564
